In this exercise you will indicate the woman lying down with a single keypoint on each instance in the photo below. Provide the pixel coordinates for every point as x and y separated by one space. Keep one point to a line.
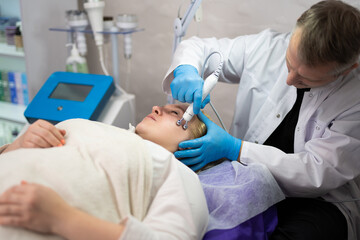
103 183
87 180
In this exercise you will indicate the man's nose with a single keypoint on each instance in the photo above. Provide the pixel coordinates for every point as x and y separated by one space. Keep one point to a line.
292 78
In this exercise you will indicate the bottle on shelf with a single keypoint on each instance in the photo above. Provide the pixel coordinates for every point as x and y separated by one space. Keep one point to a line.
18 37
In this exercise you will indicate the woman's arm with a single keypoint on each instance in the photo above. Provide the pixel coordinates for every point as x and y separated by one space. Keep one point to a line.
38 208
40 134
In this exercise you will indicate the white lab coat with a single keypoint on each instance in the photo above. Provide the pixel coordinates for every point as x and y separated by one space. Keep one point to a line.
326 161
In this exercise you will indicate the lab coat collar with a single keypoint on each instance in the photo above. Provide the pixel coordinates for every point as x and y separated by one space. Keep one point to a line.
328 86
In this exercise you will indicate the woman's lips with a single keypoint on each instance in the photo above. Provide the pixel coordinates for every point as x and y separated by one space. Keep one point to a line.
152 117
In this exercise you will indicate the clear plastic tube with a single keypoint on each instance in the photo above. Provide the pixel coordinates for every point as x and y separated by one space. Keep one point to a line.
102 62
127 75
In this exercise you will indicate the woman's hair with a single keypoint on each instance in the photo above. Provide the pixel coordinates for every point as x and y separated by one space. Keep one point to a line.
198 128
330 32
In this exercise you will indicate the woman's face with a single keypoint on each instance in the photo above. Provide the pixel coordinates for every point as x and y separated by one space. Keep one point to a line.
160 126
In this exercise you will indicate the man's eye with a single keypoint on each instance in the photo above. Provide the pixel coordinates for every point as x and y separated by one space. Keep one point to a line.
175 112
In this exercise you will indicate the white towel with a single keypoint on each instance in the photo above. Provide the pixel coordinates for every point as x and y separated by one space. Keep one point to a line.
103 170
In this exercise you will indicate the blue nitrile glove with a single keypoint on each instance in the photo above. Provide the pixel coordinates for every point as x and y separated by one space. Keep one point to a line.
187 87
216 144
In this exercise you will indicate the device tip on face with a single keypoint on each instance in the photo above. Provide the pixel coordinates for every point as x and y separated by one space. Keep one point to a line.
179 121
185 126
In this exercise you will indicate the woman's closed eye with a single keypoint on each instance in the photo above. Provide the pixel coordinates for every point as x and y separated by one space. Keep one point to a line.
175 112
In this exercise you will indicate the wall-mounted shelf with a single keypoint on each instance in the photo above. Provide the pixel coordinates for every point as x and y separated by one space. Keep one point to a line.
9 50
12 112
59 29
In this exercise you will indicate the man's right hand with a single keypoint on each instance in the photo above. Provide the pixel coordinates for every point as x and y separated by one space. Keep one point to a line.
187 87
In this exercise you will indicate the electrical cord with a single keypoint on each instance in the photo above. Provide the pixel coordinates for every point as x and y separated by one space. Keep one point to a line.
202 76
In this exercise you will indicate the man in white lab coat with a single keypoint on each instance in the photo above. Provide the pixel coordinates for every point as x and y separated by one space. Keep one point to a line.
297 112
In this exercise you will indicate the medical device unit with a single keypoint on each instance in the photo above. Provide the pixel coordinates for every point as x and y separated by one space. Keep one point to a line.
119 109
67 95
209 85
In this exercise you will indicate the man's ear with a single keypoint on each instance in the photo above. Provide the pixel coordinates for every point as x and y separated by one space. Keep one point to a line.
352 67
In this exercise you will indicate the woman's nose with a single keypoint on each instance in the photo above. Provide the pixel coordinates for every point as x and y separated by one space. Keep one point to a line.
156 109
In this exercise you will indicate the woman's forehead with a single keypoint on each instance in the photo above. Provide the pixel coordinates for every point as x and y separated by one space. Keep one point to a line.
181 106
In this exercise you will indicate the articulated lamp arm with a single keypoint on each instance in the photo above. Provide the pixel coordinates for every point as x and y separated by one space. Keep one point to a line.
181 25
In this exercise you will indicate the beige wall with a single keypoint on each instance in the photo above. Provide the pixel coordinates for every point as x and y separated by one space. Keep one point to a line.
221 18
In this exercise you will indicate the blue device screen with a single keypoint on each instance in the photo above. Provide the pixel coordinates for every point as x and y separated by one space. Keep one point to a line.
69 91
67 95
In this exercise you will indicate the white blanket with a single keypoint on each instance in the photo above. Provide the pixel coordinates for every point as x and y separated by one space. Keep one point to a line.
108 157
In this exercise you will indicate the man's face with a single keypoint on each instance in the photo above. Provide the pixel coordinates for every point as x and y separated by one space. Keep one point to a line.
160 126
301 75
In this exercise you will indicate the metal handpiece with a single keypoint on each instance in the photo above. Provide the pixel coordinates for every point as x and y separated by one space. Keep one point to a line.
209 84
185 126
